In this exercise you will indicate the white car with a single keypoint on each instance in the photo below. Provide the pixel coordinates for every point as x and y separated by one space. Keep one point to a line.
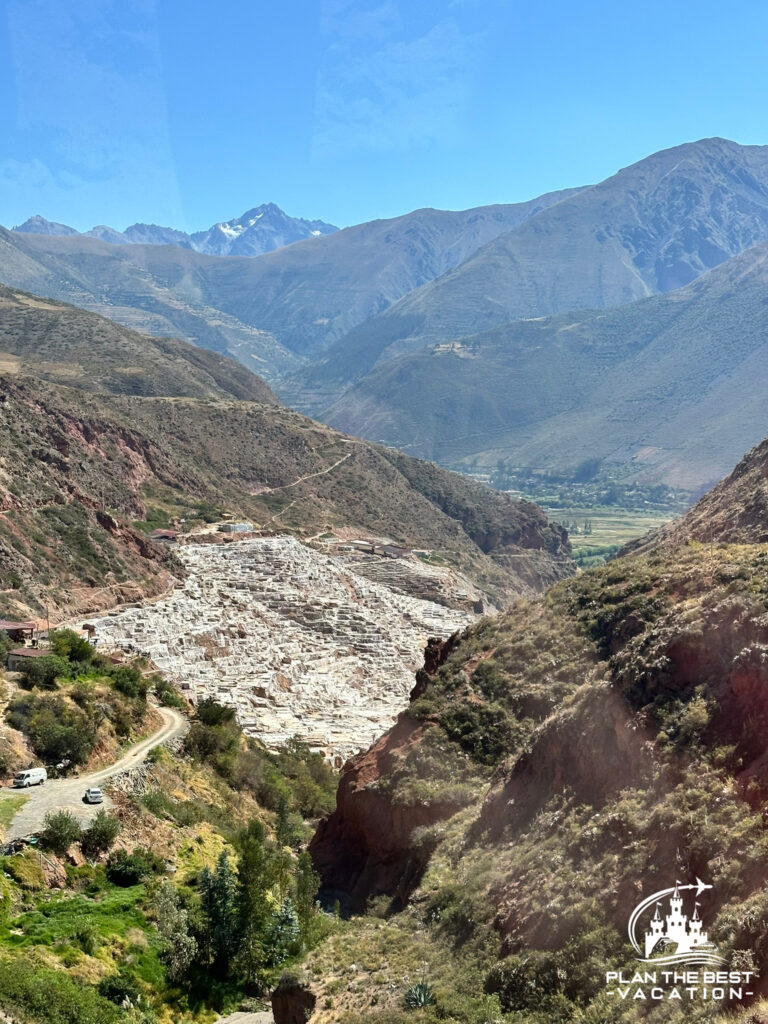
93 795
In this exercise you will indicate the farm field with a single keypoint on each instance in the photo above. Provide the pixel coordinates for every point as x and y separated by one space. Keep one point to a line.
598 532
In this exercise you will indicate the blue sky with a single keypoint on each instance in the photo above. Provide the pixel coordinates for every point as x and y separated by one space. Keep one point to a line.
185 112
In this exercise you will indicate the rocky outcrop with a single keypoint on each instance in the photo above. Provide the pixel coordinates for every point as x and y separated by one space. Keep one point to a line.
293 1001
367 846
594 749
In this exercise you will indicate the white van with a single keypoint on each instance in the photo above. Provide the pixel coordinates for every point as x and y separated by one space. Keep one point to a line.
29 777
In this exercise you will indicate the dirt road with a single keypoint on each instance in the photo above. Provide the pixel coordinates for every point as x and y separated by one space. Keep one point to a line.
67 794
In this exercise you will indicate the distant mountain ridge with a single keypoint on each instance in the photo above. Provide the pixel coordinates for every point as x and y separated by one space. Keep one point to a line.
304 296
652 227
262 229
527 334
669 389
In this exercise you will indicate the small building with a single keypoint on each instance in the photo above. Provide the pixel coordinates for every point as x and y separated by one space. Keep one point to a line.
243 527
390 551
19 632
16 659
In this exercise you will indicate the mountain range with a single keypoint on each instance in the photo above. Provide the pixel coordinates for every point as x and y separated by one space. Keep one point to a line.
257 231
670 388
609 321
113 428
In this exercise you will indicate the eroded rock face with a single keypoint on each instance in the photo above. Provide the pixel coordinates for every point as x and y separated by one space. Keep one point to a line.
595 749
299 643
366 847
293 1001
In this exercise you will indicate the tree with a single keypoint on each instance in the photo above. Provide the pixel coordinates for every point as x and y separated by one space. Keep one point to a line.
254 880
283 831
100 835
60 830
6 644
218 896
283 934
71 646
307 884
179 947
43 671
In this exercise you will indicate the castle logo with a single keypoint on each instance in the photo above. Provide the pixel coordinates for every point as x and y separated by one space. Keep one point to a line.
673 937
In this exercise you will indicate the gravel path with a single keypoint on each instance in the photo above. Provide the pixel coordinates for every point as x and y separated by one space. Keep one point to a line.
67 794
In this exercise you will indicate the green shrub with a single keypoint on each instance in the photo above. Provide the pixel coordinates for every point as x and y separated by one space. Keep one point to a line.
129 681
60 830
100 834
43 672
56 730
86 935
525 982
126 869
118 988
51 997
210 712
166 693
485 731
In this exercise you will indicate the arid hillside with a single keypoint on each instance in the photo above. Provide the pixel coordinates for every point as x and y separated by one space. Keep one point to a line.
556 765
97 470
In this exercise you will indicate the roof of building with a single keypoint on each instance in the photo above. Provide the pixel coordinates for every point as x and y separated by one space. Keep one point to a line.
29 652
7 624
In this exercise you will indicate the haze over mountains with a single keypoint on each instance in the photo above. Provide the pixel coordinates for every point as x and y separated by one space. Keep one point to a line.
358 327
672 386
257 231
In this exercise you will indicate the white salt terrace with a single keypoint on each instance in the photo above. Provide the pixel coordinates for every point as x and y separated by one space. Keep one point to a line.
295 640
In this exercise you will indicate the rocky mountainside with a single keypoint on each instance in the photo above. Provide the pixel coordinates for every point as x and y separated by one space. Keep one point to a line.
557 765
653 227
649 388
64 344
266 312
734 512
170 431
260 230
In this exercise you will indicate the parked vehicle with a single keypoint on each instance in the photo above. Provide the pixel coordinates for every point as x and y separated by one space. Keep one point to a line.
93 795
29 777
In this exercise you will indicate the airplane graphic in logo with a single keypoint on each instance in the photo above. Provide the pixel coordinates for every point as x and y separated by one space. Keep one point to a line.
673 937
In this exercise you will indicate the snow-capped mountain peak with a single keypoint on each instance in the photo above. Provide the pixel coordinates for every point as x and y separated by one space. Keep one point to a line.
257 231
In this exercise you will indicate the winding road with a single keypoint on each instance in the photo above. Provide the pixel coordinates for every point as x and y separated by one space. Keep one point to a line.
67 794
